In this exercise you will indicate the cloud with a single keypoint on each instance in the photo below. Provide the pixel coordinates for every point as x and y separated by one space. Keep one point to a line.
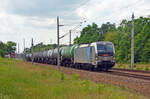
15 28
37 18
42 8
101 11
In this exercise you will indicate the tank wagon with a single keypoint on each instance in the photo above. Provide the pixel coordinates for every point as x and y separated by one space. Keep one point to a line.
67 55
28 57
97 55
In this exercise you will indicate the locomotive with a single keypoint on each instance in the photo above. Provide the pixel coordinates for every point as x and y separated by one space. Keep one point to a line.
96 55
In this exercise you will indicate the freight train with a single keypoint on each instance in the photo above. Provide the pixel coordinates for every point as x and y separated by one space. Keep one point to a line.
96 55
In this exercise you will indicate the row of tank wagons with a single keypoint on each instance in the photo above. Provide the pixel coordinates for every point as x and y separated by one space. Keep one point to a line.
85 54
50 56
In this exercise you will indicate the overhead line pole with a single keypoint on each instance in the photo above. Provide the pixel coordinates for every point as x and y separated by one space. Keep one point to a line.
132 43
32 49
24 49
58 38
58 56
24 43
70 37
18 49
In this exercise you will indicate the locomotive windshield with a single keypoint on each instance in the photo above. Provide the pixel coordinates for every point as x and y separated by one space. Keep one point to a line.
105 48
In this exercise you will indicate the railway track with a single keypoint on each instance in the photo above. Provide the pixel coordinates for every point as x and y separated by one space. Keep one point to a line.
138 74
145 75
130 70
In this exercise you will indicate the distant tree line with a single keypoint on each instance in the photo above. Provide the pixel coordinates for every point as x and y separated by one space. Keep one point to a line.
7 48
41 47
121 37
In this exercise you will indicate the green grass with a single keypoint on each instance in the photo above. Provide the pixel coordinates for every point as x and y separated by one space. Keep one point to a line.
137 66
146 68
20 80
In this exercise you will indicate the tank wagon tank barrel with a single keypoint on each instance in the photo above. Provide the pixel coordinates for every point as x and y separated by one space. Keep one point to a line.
65 53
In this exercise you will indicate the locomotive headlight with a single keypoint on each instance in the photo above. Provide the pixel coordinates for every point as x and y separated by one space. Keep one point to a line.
113 59
96 58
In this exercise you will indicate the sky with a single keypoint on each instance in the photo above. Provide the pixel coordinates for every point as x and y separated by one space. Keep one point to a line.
26 19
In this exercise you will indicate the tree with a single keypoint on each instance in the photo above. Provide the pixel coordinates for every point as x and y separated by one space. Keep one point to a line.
146 52
121 37
3 49
11 47
90 33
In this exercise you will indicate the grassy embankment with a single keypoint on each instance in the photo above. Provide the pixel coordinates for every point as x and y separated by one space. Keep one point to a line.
136 66
20 80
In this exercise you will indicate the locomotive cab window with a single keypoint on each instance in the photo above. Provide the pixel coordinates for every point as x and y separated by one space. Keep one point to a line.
100 47
109 48
105 49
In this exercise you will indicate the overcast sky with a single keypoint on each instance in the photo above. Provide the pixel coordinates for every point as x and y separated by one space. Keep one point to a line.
37 18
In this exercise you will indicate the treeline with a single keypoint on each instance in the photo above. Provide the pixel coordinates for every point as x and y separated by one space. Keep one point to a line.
41 47
121 37
7 48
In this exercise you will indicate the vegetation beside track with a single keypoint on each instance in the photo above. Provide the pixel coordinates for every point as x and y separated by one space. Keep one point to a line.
145 67
20 80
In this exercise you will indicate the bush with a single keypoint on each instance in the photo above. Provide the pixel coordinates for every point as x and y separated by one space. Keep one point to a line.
85 85
119 65
123 87
146 68
138 68
100 87
134 65
75 76
62 76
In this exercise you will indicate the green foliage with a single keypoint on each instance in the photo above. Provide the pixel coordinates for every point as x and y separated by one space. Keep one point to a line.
100 87
41 47
29 81
135 65
146 68
89 34
11 46
62 76
138 68
75 76
7 48
85 85
3 49
123 87
121 37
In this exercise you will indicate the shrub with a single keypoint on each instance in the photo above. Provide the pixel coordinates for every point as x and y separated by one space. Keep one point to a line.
123 87
75 76
85 85
100 87
44 74
138 68
134 65
62 76
146 68
119 65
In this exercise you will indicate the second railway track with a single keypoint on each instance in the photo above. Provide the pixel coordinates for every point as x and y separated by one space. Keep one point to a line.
145 75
